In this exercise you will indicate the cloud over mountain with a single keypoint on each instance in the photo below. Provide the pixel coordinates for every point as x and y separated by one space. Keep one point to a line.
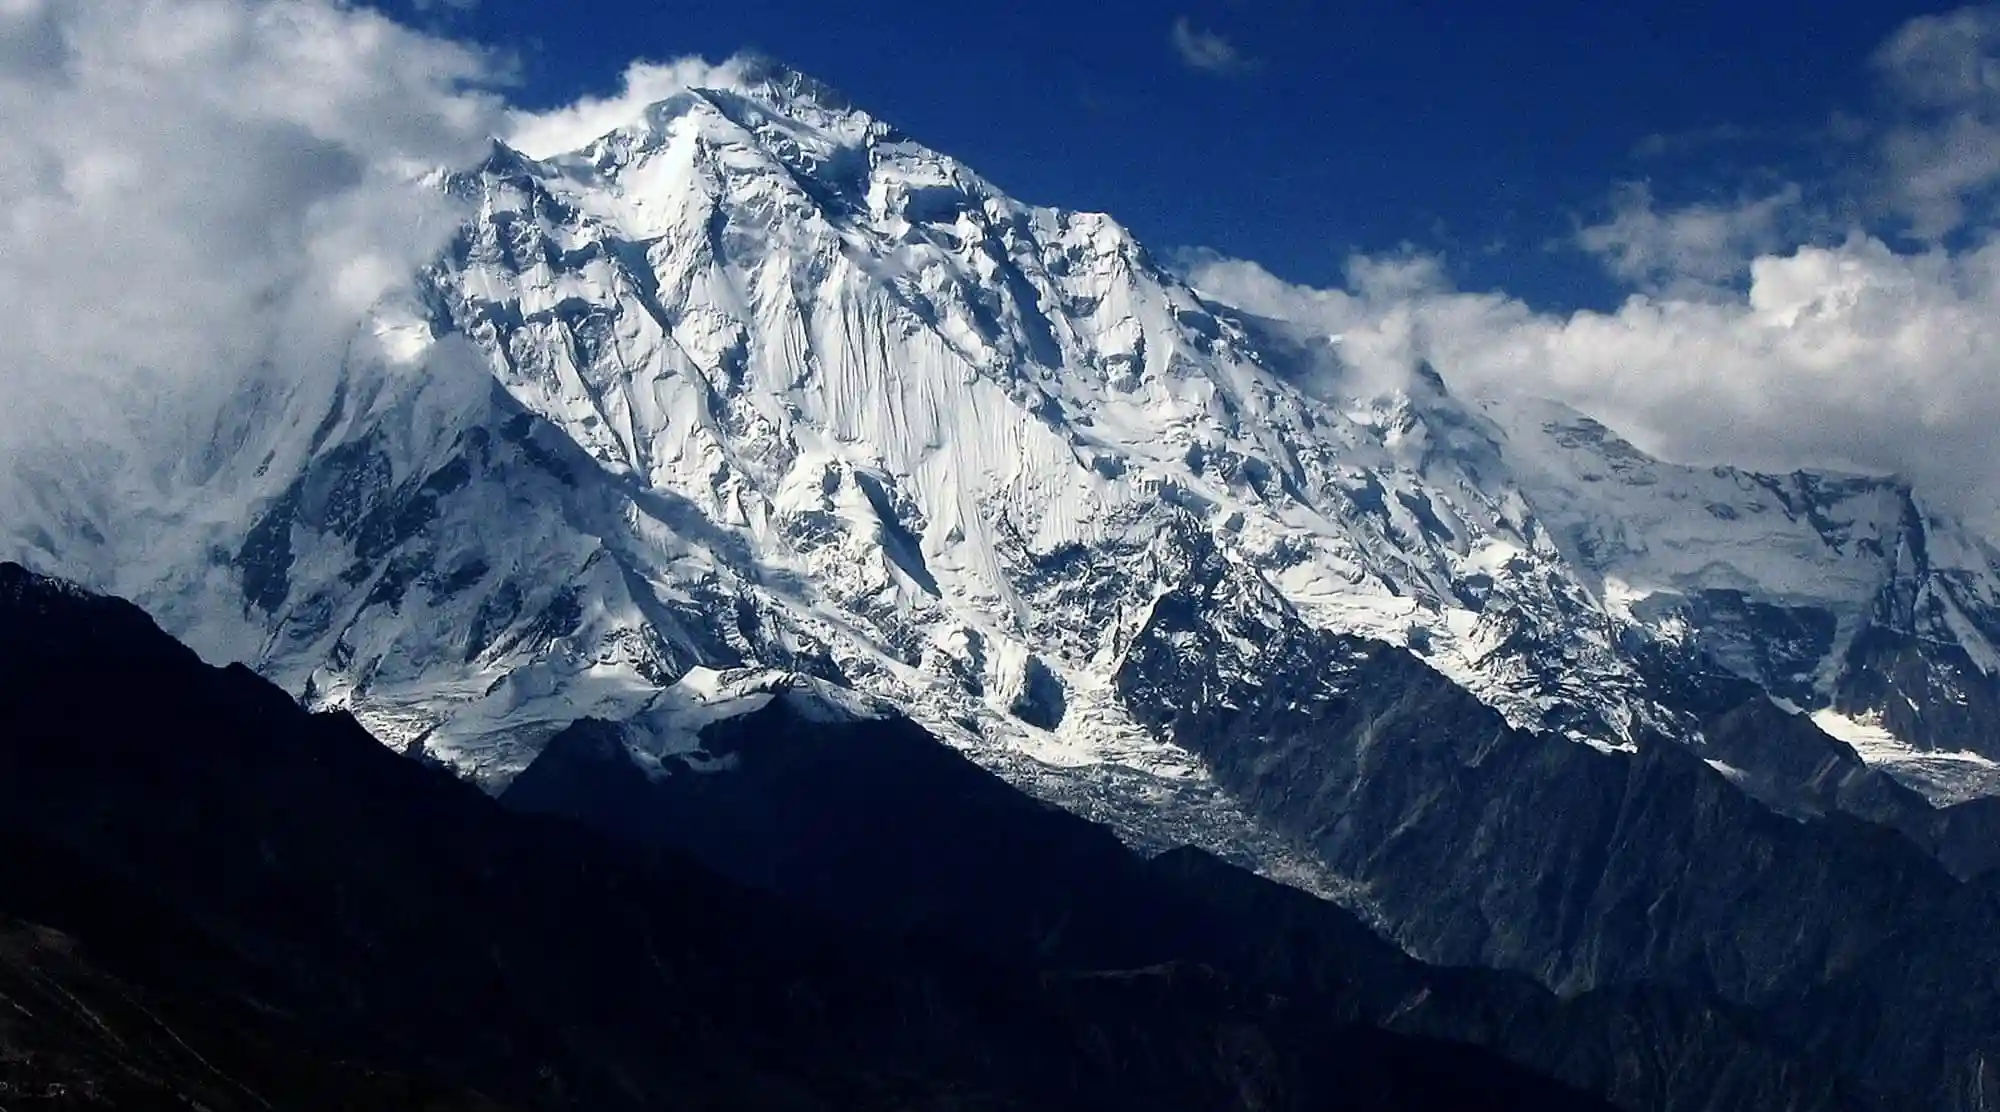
1744 340
190 179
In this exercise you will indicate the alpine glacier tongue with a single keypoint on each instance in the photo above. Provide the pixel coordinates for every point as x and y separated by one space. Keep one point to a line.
758 382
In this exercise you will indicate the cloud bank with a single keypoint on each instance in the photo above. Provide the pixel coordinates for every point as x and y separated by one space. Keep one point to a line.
202 191
1688 251
206 200
1745 339
1853 357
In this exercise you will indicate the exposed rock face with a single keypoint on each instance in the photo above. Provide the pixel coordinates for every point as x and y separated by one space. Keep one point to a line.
1479 844
876 822
1487 845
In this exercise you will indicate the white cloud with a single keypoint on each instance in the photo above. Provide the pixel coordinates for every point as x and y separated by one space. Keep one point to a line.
1853 357
1742 343
205 199
541 134
1206 50
1688 251
1942 155
1944 61
202 190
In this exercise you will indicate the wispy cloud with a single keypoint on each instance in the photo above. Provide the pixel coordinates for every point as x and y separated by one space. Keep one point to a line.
1941 155
1691 251
1206 50
1677 144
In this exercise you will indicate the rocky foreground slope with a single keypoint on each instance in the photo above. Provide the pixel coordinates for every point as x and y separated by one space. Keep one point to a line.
209 895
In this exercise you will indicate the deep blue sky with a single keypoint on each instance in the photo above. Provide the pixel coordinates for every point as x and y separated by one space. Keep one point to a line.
1482 130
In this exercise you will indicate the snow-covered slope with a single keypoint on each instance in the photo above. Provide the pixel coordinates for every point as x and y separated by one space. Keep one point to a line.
1837 593
759 382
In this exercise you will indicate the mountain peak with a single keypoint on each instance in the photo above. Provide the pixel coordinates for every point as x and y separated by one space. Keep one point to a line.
769 80
757 383
758 95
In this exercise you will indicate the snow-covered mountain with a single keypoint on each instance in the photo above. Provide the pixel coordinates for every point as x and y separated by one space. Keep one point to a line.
1840 595
759 382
